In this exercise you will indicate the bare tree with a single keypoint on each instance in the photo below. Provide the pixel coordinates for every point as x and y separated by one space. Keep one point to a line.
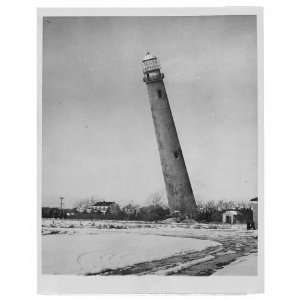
157 199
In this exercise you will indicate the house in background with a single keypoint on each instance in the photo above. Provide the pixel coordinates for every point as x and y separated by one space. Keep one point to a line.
103 207
230 216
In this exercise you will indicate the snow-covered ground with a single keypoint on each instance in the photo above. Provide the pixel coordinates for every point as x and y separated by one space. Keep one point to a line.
175 229
82 254
116 224
91 247
244 266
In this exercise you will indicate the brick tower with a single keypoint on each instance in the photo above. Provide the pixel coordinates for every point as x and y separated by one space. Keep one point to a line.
179 191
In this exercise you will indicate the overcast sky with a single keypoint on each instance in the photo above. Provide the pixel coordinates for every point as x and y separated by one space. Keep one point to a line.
98 134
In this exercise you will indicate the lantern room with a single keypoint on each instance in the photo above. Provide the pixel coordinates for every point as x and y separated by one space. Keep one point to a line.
151 68
150 63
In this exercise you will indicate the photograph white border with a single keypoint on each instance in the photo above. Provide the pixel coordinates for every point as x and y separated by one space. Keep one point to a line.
60 284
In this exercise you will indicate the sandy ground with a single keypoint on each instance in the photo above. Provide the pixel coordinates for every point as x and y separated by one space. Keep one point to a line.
118 247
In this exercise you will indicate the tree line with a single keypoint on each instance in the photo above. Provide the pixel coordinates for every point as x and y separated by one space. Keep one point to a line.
155 210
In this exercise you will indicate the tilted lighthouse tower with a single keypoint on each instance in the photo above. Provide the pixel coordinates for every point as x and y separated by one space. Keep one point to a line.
178 186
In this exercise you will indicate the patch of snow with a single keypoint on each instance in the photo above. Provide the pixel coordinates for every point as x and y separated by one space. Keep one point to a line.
226 252
183 266
111 249
208 231
244 266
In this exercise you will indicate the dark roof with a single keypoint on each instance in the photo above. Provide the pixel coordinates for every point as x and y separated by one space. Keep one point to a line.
230 209
254 199
103 203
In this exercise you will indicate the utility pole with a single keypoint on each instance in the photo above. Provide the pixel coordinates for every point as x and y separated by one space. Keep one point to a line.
62 206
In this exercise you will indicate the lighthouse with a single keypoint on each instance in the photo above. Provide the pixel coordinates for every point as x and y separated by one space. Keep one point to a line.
178 187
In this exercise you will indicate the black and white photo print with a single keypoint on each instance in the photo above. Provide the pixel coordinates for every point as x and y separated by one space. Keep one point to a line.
150 150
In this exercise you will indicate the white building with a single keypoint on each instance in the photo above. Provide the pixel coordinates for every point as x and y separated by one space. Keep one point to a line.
102 206
230 216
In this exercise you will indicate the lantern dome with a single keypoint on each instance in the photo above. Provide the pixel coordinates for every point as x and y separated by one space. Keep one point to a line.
149 56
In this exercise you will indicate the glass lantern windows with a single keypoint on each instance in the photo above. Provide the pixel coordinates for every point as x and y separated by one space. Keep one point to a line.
151 64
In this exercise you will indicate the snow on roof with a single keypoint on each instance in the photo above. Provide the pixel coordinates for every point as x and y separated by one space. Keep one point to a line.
230 211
